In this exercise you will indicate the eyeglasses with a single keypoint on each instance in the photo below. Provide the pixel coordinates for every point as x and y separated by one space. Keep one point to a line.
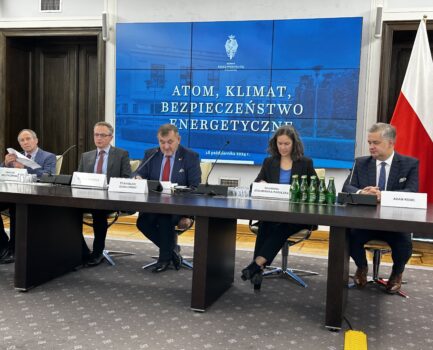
101 135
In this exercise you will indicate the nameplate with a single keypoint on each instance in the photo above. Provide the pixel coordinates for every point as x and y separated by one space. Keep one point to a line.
267 190
89 180
12 174
403 199
168 187
119 184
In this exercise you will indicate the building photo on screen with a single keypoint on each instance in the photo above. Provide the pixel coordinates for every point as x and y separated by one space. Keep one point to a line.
237 82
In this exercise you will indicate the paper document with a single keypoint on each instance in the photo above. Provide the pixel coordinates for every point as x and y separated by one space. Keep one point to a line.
21 158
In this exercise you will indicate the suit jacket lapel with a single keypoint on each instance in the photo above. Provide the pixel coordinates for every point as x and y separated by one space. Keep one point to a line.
91 161
178 161
296 168
393 173
275 171
111 156
371 171
38 156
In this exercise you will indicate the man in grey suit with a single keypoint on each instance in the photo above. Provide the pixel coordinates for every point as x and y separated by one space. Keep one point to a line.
109 160
387 170
28 141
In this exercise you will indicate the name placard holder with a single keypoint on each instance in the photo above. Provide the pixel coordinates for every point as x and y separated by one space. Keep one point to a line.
403 199
89 180
11 174
267 190
119 184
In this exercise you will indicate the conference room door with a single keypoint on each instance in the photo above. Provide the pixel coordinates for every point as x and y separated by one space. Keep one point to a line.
55 86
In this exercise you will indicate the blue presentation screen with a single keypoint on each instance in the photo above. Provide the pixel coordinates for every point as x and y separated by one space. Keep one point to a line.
238 82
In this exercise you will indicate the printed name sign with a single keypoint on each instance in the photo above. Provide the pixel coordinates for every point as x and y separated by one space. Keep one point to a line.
89 180
403 199
118 184
11 174
267 190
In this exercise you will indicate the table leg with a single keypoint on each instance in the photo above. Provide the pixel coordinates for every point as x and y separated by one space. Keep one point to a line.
338 277
214 260
48 243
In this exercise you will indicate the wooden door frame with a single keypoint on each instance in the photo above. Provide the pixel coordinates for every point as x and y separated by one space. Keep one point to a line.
49 32
388 31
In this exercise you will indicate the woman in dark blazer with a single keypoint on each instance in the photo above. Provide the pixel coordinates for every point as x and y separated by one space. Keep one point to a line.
287 158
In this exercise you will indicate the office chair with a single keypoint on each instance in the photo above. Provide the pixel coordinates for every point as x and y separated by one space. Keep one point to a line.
59 162
112 218
284 271
185 260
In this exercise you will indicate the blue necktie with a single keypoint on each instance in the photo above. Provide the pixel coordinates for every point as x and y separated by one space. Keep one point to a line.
382 177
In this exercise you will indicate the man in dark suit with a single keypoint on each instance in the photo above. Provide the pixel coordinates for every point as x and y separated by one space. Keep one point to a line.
28 141
384 170
175 163
113 162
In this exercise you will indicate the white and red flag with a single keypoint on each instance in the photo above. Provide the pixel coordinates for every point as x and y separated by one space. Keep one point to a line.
413 114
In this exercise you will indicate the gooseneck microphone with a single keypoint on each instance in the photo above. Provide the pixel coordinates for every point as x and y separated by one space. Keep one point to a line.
142 165
215 161
351 173
67 150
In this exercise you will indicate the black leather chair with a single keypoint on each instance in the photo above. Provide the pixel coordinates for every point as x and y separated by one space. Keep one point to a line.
186 261
284 271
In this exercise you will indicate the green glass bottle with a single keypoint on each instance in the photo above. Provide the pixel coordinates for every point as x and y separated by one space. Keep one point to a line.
312 190
322 191
331 194
295 190
304 189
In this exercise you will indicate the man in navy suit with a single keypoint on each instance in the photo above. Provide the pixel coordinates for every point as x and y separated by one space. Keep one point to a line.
28 141
386 170
177 164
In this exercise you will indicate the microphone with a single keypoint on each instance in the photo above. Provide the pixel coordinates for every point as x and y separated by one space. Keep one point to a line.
142 165
351 172
64 153
215 161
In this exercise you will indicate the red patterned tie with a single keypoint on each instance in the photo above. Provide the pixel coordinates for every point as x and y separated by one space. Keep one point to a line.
166 170
100 162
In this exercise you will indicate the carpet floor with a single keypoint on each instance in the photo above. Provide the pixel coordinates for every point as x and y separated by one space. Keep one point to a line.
125 307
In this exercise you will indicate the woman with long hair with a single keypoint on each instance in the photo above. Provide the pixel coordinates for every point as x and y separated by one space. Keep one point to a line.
286 159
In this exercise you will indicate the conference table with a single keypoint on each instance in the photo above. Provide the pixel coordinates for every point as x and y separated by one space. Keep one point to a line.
49 229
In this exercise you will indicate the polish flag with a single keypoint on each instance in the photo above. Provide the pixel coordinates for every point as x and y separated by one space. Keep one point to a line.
413 114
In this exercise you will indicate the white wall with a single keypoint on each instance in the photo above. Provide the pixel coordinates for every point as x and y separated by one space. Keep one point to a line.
24 13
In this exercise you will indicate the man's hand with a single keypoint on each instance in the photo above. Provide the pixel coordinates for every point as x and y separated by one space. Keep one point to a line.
372 190
10 159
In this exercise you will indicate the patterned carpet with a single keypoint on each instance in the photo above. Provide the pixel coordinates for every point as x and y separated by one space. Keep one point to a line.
124 307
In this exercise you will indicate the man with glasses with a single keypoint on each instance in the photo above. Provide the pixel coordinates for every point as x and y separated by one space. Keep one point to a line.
113 162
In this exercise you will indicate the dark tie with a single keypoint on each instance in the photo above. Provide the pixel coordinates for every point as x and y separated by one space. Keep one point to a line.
166 170
100 162
29 156
382 177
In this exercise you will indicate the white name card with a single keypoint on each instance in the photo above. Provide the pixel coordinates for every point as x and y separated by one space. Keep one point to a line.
119 184
11 174
267 190
89 180
403 199
167 186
